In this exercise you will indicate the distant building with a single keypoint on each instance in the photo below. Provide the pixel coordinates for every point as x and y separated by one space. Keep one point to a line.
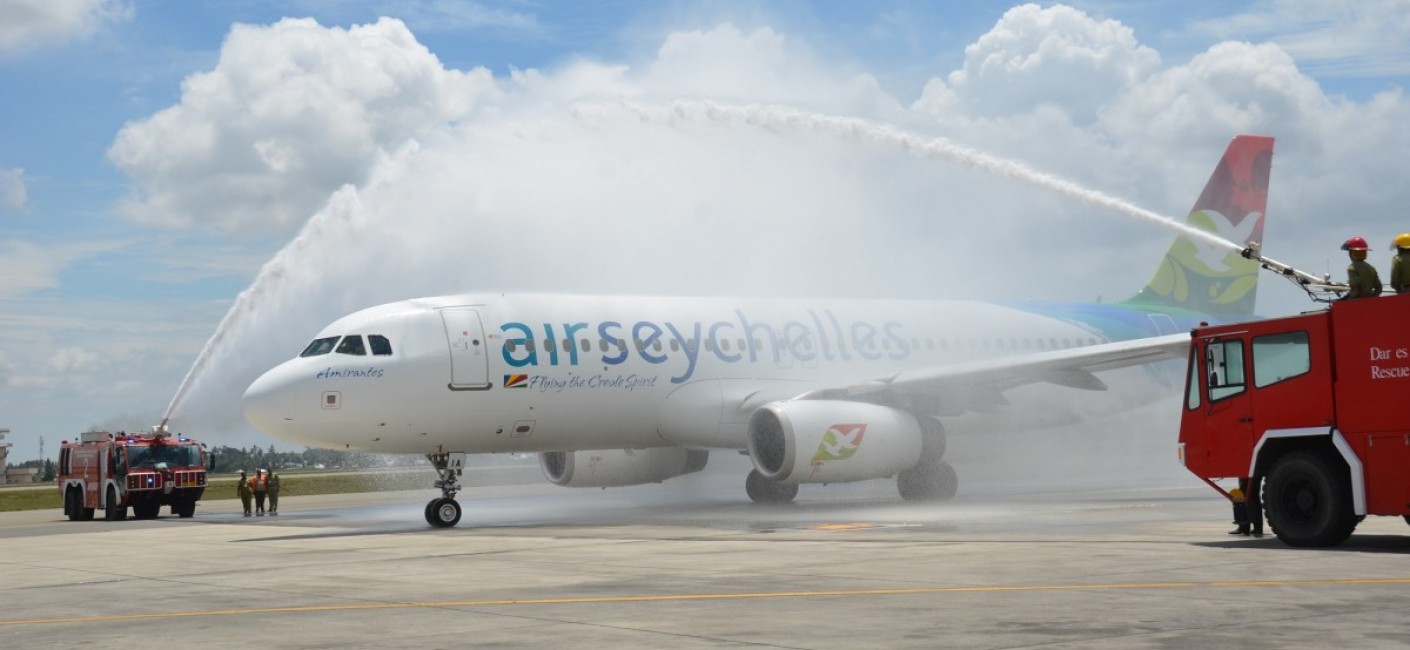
4 453
21 475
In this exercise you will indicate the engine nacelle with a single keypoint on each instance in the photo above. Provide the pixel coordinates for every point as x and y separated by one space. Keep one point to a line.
819 441
620 467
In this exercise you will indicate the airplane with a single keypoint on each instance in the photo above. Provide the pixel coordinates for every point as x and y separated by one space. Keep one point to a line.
626 390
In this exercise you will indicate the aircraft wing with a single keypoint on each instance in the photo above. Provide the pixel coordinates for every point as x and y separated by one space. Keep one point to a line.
979 385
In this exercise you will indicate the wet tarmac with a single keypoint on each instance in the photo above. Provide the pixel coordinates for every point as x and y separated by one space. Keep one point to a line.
692 564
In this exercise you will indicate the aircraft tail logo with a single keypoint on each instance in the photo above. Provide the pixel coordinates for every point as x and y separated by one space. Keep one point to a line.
1196 277
840 442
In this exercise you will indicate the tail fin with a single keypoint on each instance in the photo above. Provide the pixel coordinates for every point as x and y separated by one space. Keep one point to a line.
1198 278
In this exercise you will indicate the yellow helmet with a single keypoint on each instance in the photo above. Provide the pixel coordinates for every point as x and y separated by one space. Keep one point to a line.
1402 240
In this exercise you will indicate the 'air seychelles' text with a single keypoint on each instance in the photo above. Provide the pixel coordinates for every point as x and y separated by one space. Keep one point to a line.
822 337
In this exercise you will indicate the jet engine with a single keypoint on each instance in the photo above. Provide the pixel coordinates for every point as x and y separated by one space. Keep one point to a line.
620 467
821 441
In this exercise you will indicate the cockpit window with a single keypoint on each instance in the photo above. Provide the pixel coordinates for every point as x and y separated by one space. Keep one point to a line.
319 346
352 345
379 344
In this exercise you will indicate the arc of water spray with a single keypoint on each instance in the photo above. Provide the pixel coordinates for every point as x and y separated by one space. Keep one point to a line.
270 277
768 117
850 128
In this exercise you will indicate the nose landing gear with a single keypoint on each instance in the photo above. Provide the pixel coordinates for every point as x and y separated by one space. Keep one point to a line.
445 511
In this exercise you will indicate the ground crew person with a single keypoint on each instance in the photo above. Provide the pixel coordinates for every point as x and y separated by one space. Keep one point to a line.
260 486
1400 264
1361 277
1248 509
1236 495
273 489
243 489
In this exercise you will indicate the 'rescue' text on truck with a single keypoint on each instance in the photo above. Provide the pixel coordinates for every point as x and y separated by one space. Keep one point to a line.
1313 407
112 472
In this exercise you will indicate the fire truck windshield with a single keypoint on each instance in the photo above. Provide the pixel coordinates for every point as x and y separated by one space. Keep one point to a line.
163 457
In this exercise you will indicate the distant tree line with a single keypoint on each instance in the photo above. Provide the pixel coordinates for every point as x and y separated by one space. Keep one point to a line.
234 459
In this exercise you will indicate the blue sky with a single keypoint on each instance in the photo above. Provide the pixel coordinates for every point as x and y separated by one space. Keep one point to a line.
154 156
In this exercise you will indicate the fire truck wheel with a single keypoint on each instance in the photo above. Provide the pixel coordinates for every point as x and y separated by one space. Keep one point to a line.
928 481
114 511
85 514
443 513
73 504
1308 500
184 509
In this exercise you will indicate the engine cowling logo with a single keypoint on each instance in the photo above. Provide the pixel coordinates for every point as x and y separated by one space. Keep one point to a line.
840 442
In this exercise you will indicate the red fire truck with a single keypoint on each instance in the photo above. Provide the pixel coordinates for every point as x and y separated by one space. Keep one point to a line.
111 472
1314 407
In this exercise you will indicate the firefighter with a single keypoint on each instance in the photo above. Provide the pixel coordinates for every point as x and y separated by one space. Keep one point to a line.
1361 277
273 488
243 489
1253 504
260 486
1400 264
1236 495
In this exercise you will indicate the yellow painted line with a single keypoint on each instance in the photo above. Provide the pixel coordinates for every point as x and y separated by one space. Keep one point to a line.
850 526
582 600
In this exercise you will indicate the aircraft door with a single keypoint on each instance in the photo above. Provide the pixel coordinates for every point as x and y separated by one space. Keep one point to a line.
469 358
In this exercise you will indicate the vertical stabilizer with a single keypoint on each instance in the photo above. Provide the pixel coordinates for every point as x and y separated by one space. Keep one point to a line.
1196 277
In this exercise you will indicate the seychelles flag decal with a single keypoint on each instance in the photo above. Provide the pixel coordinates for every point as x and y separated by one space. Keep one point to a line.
516 381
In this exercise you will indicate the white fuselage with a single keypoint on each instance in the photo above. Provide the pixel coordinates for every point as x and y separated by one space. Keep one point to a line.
526 373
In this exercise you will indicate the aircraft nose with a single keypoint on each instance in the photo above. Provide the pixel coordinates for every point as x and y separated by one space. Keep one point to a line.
269 401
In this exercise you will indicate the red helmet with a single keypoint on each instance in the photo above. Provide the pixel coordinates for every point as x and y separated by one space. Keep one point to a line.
1355 244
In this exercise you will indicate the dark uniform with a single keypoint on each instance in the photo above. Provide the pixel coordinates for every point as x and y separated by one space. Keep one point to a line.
246 494
273 489
1400 264
1364 281
1361 278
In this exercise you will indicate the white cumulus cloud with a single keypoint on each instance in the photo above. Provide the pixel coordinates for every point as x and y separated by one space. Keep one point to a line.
27 24
1055 56
291 112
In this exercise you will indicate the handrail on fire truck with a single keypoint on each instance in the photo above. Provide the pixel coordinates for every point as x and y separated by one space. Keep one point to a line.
1319 289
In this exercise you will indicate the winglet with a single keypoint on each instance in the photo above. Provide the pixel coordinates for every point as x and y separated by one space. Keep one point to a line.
1195 277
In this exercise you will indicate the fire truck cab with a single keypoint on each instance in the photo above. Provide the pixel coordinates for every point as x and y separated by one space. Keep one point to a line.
1315 408
111 472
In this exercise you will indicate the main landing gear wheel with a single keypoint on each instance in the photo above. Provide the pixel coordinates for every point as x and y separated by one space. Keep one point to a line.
763 490
928 481
443 512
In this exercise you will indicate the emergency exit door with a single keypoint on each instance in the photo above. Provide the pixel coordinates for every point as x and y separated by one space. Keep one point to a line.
469 361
